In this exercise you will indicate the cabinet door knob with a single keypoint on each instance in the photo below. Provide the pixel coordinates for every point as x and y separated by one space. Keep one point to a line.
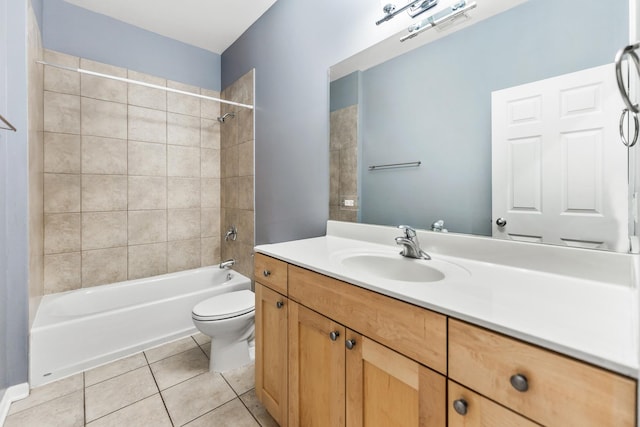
460 406
266 273
334 335
350 344
519 382
279 304
501 222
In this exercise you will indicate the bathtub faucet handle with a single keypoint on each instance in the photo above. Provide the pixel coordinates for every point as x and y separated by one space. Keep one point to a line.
231 234
228 263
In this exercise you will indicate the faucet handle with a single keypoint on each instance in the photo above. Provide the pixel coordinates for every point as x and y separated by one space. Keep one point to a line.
409 232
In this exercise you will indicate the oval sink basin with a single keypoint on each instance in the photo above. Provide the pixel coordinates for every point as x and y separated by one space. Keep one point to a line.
393 267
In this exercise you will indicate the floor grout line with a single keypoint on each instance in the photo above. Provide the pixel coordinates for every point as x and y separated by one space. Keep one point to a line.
159 391
249 410
84 387
65 394
84 399
119 409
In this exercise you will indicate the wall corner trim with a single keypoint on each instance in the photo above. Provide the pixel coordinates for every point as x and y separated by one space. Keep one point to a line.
13 393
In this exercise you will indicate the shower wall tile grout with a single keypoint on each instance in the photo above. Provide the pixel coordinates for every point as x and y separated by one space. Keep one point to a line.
233 212
127 112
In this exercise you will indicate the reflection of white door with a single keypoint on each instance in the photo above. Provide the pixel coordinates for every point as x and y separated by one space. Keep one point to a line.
559 171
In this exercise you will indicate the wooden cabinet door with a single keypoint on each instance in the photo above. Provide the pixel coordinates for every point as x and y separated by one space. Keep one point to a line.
316 369
387 389
271 352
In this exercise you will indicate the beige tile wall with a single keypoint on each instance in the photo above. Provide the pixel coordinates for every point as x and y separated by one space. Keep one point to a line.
36 165
132 177
344 164
237 174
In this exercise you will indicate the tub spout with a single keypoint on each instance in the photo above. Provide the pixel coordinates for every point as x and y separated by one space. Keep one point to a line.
228 263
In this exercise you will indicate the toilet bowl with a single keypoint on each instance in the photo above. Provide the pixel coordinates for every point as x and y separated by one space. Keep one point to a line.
229 320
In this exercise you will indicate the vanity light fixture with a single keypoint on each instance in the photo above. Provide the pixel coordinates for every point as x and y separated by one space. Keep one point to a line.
413 8
446 16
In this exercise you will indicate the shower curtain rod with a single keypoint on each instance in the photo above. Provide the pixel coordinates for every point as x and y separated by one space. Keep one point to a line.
137 82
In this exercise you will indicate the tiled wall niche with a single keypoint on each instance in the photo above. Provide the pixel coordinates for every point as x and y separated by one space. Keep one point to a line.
132 177
343 164
237 173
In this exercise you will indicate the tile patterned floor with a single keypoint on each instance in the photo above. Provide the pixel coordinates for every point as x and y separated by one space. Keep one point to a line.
168 386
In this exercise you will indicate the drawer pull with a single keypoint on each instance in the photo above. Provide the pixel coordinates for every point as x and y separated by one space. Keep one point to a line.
334 335
519 382
279 304
460 406
350 344
266 273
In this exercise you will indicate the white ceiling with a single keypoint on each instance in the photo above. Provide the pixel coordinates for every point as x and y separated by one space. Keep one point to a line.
209 24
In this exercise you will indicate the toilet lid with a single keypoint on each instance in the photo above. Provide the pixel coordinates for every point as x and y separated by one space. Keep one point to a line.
225 306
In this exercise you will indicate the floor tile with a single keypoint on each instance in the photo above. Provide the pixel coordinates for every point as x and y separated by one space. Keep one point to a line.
258 411
147 412
49 392
197 396
201 338
67 411
241 379
116 393
105 372
162 352
231 414
181 367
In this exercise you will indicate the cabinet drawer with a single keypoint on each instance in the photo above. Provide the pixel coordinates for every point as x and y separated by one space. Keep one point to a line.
417 333
480 411
271 272
560 391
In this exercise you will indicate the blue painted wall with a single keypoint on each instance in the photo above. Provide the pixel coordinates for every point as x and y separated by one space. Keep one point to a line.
80 32
37 9
3 203
433 104
14 309
344 91
291 47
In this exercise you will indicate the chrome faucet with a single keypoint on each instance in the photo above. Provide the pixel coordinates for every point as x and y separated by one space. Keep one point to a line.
228 263
439 226
410 243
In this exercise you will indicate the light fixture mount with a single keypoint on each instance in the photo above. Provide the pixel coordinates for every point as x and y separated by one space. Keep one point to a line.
421 7
443 18
413 8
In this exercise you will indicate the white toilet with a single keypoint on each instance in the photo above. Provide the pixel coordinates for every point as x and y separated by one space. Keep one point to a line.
229 320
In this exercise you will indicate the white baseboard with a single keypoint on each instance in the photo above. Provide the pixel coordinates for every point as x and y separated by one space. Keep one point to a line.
13 393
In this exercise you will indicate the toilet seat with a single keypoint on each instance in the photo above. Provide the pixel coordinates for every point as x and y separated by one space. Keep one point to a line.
225 306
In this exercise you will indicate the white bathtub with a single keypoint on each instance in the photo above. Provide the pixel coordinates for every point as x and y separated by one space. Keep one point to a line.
78 330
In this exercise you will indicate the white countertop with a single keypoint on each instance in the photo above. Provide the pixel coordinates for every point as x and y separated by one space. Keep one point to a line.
594 321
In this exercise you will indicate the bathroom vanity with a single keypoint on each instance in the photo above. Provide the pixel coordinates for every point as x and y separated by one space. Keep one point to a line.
487 344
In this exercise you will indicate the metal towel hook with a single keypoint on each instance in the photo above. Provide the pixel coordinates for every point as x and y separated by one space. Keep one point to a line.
622 53
632 109
636 124
6 122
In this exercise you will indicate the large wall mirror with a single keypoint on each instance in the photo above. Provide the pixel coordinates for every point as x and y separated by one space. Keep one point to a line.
517 110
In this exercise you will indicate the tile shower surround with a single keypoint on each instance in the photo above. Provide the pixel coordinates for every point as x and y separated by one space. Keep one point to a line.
237 174
132 177
36 164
